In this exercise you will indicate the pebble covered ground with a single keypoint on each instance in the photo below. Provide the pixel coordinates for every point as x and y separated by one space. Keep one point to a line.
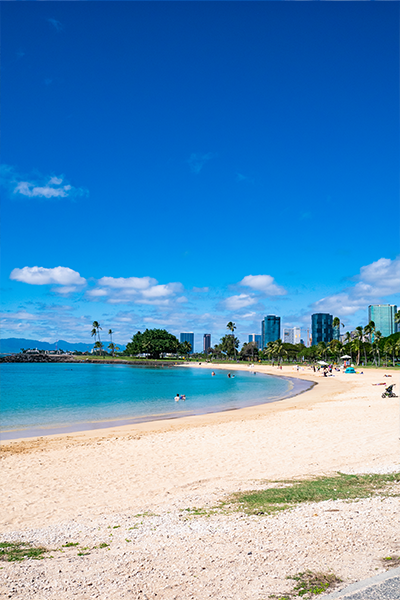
180 555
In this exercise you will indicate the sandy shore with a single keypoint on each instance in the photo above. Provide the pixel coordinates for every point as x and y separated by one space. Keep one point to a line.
341 424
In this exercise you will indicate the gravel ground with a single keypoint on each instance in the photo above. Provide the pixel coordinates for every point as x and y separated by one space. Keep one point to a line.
176 555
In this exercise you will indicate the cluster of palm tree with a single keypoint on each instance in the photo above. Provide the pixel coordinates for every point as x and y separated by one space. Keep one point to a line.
96 328
275 351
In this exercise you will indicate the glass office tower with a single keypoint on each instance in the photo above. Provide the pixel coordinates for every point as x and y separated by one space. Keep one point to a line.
270 329
254 337
188 337
321 328
206 342
383 317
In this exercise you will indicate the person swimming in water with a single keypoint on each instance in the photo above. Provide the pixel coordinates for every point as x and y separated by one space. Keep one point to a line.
213 373
177 398
183 397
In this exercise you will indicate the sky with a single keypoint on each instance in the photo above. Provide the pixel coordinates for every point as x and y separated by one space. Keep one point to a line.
180 165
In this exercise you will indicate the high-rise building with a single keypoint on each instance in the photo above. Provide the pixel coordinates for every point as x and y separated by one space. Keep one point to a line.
270 329
321 328
188 337
254 337
383 317
206 342
291 335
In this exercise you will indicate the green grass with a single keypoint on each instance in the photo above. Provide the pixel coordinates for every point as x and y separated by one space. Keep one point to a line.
13 551
391 561
70 544
339 487
309 584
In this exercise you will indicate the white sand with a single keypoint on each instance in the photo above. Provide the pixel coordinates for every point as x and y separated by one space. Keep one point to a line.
341 424
88 488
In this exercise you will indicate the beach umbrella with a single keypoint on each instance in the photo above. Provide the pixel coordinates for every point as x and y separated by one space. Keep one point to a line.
345 356
322 362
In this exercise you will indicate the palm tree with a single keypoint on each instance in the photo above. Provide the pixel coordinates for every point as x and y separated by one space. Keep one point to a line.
369 331
360 338
397 317
375 346
279 350
187 348
321 350
111 345
99 346
390 348
232 326
336 325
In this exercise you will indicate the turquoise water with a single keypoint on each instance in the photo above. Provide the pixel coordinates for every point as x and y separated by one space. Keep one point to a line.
40 395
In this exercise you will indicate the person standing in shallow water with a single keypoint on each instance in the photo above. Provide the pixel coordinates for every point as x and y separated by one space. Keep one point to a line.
177 398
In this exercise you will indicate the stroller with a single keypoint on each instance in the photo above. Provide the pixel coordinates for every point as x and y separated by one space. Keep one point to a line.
389 393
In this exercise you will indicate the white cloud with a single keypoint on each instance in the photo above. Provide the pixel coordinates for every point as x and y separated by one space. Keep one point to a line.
263 283
160 291
42 276
140 290
239 301
97 293
135 283
374 282
201 290
38 186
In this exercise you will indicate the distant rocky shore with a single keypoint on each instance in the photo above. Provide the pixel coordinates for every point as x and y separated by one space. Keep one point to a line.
48 358
31 358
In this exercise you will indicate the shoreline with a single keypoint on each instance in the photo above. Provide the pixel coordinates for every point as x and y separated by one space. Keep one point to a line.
40 431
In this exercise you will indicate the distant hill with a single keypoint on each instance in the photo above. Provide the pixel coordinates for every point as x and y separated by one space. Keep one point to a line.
14 345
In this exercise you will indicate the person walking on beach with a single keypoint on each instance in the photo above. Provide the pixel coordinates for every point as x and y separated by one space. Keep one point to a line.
177 398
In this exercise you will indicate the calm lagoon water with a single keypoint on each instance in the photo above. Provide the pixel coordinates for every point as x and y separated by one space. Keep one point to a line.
40 398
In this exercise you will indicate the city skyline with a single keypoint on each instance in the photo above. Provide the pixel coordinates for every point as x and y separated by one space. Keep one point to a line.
136 169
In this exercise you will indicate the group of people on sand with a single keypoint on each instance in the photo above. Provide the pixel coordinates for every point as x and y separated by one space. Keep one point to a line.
180 397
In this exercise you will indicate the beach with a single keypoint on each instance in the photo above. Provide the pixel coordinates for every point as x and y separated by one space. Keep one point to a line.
56 485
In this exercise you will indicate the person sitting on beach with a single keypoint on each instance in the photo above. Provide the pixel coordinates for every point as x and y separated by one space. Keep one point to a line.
177 398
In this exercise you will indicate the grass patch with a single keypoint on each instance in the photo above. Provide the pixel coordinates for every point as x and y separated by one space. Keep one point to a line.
309 584
391 561
338 487
13 551
70 544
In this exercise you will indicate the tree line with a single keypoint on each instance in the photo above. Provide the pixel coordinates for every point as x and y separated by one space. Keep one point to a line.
364 344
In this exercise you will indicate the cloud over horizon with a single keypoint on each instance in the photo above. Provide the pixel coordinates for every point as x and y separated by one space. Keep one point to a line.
374 282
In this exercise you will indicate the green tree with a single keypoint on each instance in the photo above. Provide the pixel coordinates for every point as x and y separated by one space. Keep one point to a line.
397 317
111 345
336 327
229 345
376 347
278 350
153 342
185 348
99 346
232 326
359 336
96 332
249 350
390 348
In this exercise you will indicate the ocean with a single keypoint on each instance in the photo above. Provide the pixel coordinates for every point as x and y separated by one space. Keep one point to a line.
43 398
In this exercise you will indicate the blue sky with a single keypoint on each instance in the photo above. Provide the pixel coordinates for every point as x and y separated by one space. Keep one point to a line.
181 165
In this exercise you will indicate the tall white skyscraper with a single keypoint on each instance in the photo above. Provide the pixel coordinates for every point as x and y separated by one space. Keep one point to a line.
291 335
